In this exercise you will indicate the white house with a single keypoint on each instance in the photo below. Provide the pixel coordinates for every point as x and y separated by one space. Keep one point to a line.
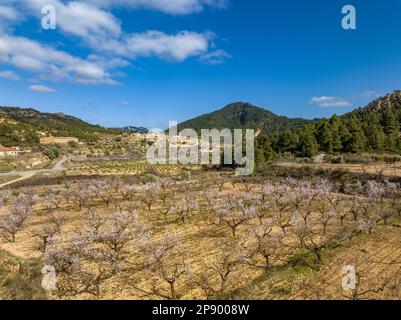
9 152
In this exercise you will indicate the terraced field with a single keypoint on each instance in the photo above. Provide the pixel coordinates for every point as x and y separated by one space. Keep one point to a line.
383 169
220 237
376 259
122 168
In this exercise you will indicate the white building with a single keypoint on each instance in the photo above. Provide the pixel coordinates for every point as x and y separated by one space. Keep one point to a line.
9 152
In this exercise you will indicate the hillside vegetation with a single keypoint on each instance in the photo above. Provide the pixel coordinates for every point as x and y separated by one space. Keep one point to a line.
240 116
375 128
20 127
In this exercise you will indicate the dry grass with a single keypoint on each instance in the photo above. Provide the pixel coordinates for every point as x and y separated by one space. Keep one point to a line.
384 169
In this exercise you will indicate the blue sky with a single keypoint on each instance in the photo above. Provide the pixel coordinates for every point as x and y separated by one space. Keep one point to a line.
145 62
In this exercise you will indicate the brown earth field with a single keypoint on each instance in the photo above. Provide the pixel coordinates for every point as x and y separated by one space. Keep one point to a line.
190 233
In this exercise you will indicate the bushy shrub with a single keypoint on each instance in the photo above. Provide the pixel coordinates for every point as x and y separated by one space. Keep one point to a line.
358 159
336 159
185 174
391 159
146 177
52 152
73 144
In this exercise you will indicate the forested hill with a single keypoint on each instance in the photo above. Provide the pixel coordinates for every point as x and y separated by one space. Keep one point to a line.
374 128
241 115
20 126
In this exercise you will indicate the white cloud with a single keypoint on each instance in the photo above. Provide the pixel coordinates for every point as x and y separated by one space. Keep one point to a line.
80 19
215 57
24 62
178 7
100 31
52 64
8 13
41 88
170 47
325 102
370 94
124 103
10 75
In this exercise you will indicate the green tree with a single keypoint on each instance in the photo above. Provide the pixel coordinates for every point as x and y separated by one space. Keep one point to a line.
376 139
336 136
287 142
325 136
31 138
263 149
357 139
307 146
391 128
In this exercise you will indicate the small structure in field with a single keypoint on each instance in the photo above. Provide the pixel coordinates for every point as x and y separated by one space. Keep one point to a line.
9 152
58 140
320 158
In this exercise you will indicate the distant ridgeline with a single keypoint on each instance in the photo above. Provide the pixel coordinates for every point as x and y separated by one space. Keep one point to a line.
132 129
375 128
22 127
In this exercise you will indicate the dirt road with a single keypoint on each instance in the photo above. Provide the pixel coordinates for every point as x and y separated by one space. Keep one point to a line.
58 167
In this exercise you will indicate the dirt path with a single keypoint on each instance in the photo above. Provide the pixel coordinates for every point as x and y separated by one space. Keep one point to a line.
58 167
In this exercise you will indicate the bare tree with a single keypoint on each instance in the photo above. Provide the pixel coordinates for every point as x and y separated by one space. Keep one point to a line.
165 210
12 221
300 228
165 196
128 191
379 192
107 196
220 273
46 231
148 195
366 224
265 245
233 212
84 261
185 208
165 263
80 264
121 229
82 196
9 226
5 196
51 201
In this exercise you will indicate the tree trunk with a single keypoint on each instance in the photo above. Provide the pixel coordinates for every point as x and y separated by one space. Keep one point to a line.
173 291
317 252
267 263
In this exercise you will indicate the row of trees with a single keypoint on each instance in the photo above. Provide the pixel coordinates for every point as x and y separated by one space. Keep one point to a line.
137 241
374 129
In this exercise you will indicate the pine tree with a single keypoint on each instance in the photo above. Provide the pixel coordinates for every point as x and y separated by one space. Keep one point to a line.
287 142
345 136
391 128
376 139
336 137
307 146
325 136
357 139
263 149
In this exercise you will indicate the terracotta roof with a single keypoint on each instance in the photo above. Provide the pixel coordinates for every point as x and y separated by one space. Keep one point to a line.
8 149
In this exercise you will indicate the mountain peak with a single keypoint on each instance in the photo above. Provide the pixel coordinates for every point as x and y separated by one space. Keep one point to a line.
242 115
242 106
